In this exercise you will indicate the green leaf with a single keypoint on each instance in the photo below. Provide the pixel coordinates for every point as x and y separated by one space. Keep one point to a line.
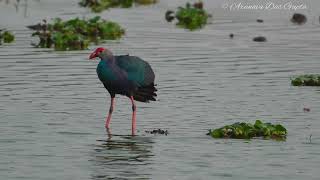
217 133
279 127
7 37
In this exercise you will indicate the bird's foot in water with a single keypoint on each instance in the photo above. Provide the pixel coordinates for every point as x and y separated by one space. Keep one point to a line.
133 133
109 133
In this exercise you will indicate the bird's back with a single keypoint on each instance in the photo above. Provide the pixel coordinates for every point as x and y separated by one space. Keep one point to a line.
128 75
138 70
141 74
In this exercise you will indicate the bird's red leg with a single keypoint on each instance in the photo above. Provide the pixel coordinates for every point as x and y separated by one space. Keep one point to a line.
133 115
110 113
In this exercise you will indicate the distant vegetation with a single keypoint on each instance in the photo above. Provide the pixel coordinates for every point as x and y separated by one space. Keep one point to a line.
6 37
101 5
260 39
298 18
248 131
306 80
190 17
75 34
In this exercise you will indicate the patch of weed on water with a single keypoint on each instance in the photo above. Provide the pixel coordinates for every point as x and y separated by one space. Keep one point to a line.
75 34
247 131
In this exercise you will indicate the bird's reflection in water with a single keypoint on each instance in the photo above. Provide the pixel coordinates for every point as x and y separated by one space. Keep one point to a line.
122 157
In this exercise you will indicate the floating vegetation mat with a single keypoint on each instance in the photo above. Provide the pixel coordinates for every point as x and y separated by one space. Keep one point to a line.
6 37
306 80
299 19
75 34
248 131
101 5
191 17
158 131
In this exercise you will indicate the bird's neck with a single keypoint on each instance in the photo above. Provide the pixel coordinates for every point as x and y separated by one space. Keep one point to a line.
110 59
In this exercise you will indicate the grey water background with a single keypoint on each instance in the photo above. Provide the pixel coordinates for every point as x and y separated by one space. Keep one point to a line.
53 106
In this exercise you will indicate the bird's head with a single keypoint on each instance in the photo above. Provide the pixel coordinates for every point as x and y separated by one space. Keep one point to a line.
101 52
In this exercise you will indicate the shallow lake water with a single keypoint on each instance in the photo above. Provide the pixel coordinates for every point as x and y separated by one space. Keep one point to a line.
53 106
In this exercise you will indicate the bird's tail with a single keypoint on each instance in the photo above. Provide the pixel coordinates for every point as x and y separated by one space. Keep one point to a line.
146 93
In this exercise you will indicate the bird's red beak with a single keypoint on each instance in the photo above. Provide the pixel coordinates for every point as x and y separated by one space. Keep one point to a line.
93 55
96 52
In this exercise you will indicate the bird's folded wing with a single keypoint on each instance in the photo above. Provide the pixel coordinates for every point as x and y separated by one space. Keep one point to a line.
138 70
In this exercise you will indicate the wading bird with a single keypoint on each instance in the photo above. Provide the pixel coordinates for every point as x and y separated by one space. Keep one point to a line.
126 75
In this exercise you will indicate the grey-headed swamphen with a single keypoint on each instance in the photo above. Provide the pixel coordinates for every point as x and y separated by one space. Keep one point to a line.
125 75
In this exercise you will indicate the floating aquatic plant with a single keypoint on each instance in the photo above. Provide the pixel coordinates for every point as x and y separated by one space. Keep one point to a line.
190 17
6 37
101 5
248 131
158 131
75 34
260 20
306 80
260 39
298 18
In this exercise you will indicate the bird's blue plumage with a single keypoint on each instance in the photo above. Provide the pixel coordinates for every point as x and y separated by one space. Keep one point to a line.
105 72
126 75
136 69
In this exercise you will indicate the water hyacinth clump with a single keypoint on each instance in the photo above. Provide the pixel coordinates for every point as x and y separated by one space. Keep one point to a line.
101 5
190 17
248 131
306 80
6 37
76 34
298 18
